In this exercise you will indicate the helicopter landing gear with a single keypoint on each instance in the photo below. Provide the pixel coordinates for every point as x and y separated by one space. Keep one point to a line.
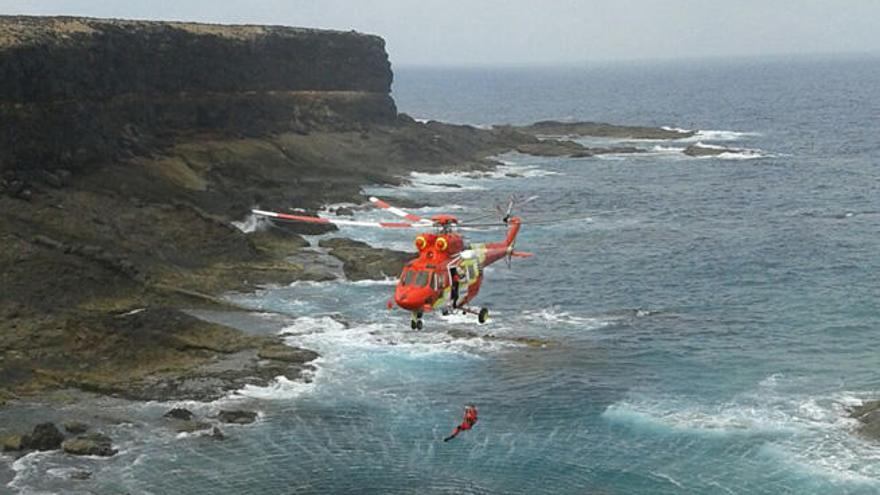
415 321
482 313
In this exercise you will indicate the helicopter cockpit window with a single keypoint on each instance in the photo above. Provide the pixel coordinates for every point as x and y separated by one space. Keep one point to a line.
410 277
422 279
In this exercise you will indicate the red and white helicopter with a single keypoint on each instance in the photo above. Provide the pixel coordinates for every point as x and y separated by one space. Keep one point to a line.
448 273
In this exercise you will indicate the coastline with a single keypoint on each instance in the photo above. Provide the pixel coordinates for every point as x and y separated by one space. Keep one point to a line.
108 242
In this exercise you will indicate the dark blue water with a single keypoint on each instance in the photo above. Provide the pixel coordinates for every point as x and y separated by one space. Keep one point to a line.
708 320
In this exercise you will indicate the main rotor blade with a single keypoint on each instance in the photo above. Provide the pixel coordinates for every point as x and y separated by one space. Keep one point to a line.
334 221
397 211
529 222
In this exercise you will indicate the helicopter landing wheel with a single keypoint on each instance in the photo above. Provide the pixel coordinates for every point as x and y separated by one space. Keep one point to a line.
483 315
416 321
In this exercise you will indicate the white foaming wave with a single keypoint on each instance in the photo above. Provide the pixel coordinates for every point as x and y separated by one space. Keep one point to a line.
740 155
762 411
26 467
675 129
432 209
728 419
514 170
337 342
282 388
678 152
474 180
251 223
717 135
555 316
305 325
811 434
444 181
666 150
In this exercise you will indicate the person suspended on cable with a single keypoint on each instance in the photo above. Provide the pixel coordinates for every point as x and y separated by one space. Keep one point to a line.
470 419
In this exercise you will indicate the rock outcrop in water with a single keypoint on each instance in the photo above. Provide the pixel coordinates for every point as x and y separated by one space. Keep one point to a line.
598 129
868 414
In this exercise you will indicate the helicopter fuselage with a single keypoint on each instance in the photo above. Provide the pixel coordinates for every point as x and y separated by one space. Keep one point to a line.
427 282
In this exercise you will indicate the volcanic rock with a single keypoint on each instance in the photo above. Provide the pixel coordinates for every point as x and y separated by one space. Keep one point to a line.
45 437
698 150
868 415
237 417
89 444
15 442
179 413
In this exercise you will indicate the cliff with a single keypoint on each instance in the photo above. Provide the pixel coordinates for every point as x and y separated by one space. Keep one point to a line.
75 90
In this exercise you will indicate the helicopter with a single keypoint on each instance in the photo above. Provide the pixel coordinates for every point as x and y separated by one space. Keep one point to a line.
448 272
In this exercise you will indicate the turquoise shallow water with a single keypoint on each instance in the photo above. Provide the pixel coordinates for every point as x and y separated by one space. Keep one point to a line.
711 318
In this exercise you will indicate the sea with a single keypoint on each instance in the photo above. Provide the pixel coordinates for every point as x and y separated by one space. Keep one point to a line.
699 325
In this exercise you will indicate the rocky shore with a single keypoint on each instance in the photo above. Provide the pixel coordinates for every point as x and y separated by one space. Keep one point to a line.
127 151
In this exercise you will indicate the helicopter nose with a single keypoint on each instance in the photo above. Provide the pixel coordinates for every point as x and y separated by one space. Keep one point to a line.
408 300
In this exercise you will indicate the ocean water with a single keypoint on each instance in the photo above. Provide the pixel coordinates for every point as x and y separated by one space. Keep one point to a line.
708 320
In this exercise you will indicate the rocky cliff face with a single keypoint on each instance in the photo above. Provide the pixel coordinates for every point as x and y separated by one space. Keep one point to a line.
75 90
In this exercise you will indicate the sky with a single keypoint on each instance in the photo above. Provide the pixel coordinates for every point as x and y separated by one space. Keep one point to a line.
529 32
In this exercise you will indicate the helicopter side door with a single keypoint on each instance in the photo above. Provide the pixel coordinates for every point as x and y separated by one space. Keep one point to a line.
469 273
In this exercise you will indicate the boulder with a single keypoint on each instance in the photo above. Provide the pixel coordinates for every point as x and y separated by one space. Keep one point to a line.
217 434
868 414
179 413
14 442
698 150
75 427
237 417
45 437
89 444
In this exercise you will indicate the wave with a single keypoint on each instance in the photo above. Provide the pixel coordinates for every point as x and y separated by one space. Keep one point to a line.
710 135
281 389
734 154
556 316
726 419
715 135
252 223
812 434
471 180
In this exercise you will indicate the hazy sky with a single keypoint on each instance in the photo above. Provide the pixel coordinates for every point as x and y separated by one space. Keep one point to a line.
470 32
